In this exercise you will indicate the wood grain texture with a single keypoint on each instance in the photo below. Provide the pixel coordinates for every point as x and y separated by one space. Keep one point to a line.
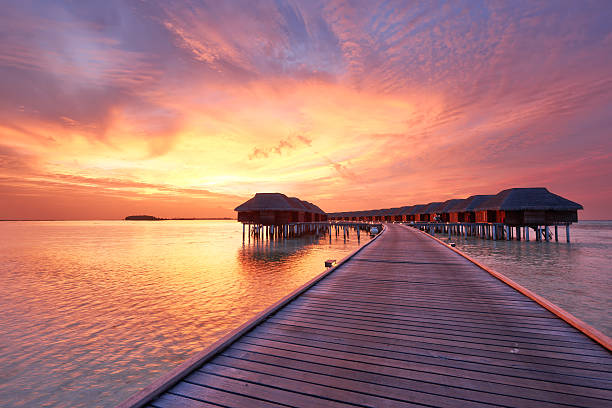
405 322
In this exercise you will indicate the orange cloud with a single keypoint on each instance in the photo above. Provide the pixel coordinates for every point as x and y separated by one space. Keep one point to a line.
352 105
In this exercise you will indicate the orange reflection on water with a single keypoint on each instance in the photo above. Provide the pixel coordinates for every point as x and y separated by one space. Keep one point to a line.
94 311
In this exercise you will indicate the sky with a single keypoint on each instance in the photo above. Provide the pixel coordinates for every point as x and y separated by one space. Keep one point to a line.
188 108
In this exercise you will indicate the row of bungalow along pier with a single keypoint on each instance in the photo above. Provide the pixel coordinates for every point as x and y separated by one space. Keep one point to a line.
509 214
275 216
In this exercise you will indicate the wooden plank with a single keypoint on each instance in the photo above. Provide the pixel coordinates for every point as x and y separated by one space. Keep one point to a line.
584 378
587 329
175 375
547 383
398 327
422 327
368 388
433 321
415 391
220 396
460 323
177 401
308 392
448 341
441 378
254 388
427 346
586 371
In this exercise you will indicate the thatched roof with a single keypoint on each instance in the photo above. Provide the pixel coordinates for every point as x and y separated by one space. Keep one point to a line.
314 207
458 206
468 204
277 202
430 208
298 204
538 198
448 204
394 211
405 209
417 209
266 202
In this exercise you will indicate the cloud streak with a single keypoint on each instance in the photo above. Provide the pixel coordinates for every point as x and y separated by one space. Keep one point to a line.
324 99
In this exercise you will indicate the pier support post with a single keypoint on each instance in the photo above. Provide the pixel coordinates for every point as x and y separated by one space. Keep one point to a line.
526 233
546 233
567 234
556 233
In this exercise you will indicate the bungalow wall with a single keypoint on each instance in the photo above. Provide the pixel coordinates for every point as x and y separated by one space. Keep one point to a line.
265 217
444 217
468 216
422 217
534 217
455 217
296 216
486 216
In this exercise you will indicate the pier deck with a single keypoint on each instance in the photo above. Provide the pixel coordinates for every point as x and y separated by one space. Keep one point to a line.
404 322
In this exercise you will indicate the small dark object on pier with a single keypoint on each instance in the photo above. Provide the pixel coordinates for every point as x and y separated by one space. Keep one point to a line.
329 263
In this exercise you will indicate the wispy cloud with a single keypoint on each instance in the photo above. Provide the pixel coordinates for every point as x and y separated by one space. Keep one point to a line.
325 99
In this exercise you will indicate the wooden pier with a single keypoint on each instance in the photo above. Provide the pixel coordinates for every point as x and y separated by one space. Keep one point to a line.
404 322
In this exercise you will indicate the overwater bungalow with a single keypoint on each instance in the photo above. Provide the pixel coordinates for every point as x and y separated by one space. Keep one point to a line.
317 214
444 210
428 211
301 213
276 209
404 213
389 214
415 211
464 211
396 214
455 211
527 206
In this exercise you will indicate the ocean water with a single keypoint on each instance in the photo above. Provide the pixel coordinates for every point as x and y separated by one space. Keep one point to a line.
92 312
575 276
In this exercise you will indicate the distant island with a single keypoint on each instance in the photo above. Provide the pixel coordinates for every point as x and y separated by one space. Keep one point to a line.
141 218
152 218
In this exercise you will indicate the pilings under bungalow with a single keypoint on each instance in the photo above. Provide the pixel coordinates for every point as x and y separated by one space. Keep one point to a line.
494 231
298 229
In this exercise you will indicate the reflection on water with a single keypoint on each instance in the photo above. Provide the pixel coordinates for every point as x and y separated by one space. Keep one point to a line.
575 276
94 311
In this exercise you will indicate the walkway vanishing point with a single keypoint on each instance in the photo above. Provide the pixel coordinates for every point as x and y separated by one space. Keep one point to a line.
403 322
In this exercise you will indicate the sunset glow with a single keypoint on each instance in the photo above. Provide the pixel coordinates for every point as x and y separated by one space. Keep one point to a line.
185 109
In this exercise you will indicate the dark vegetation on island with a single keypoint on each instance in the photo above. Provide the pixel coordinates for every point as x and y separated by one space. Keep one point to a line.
152 218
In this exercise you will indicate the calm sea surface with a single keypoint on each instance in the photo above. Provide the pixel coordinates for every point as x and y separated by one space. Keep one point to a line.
93 311
575 276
